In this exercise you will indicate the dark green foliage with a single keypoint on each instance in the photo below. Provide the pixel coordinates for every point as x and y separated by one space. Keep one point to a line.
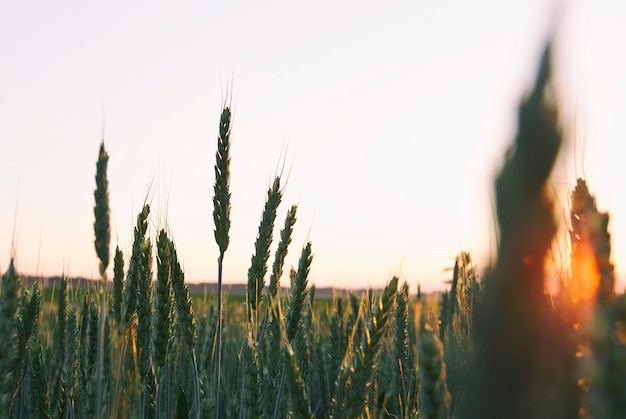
186 321
607 394
10 289
271 367
40 396
118 284
353 327
59 333
250 395
107 367
298 406
434 396
319 385
26 324
444 311
182 411
9 303
206 328
302 341
335 345
356 376
26 328
92 339
90 367
83 342
457 325
72 394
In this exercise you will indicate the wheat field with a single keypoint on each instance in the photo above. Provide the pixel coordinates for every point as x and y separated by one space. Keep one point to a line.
497 345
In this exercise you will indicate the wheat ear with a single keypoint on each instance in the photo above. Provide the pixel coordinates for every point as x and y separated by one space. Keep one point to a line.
258 263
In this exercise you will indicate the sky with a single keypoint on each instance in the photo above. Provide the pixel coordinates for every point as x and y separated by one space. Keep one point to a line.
390 120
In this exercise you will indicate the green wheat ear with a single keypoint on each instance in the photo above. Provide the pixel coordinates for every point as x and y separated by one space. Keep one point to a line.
281 252
298 293
101 225
129 303
221 189
258 264
118 284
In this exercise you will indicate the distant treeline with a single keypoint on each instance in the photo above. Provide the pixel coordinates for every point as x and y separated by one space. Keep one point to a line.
195 288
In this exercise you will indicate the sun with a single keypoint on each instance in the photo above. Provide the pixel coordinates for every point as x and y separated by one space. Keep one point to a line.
590 246
585 277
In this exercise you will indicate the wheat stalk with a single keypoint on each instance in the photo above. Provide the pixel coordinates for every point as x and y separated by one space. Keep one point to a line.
221 218
402 368
40 395
72 394
518 341
144 327
8 329
298 399
58 380
434 396
163 310
26 328
186 320
102 232
249 405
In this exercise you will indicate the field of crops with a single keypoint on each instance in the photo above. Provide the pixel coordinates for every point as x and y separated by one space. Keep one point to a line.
140 345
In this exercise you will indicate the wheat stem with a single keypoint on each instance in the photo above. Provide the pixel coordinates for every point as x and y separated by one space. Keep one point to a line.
102 232
221 218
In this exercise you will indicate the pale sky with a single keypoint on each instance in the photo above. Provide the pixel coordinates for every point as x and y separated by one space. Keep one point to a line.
395 116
